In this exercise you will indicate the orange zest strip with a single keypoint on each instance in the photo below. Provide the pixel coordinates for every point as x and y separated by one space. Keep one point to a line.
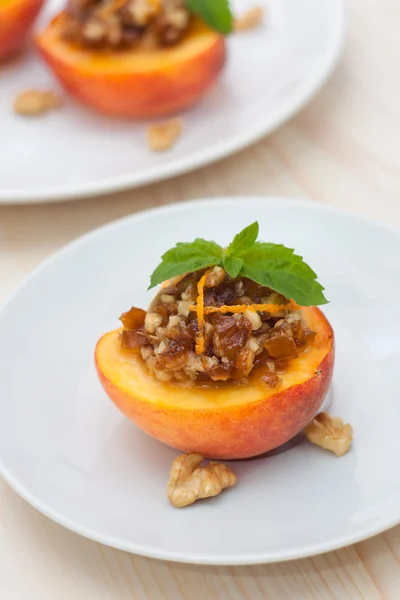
199 308
241 308
202 310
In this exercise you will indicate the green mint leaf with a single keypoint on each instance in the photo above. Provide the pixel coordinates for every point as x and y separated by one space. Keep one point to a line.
270 265
288 277
243 241
216 13
260 251
232 265
187 257
188 250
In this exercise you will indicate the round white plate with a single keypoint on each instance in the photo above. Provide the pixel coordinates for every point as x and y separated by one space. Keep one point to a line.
271 73
70 453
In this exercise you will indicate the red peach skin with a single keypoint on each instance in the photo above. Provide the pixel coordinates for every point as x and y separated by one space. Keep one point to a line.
137 83
226 422
16 19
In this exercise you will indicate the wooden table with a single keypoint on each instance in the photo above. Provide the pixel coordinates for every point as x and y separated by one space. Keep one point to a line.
344 150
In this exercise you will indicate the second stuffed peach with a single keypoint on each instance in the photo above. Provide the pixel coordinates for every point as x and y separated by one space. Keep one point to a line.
16 19
136 82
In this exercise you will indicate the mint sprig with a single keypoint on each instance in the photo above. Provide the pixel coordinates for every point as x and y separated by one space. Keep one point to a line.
187 257
216 13
270 265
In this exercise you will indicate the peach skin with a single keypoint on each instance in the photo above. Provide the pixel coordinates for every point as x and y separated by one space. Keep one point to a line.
16 19
137 83
229 421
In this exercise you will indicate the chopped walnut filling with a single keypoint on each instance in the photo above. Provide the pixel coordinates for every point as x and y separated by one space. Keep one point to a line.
235 343
121 24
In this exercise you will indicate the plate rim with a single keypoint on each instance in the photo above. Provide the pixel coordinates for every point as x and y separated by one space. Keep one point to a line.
194 558
309 88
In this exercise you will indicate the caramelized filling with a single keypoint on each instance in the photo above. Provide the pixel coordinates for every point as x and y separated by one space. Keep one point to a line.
207 327
122 24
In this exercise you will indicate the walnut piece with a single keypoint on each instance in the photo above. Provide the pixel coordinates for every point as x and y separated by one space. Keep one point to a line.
214 277
189 482
249 20
152 321
162 136
36 102
330 433
143 11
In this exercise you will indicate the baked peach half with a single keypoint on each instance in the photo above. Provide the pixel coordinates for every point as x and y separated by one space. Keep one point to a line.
225 363
225 421
16 19
136 82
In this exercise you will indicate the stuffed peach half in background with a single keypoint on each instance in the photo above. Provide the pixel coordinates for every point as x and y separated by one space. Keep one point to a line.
232 359
16 20
137 58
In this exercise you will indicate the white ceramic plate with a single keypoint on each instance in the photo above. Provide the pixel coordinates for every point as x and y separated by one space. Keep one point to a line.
272 72
68 451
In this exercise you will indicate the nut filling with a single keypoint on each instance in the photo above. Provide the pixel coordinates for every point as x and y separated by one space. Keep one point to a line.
122 24
235 343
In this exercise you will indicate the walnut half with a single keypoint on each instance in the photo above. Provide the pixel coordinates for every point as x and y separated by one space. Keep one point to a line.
163 136
249 20
189 482
36 102
330 433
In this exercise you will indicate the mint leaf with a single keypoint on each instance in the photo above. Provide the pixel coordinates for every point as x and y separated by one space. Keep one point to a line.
243 241
291 278
216 13
271 265
188 250
187 257
232 265
277 267
260 251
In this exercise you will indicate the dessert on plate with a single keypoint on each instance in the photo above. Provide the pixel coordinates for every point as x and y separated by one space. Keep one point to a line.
232 358
137 58
16 19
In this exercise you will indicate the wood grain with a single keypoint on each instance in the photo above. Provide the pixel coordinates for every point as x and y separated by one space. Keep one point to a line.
342 150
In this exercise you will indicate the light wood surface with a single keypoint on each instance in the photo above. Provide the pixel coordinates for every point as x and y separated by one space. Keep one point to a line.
342 150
